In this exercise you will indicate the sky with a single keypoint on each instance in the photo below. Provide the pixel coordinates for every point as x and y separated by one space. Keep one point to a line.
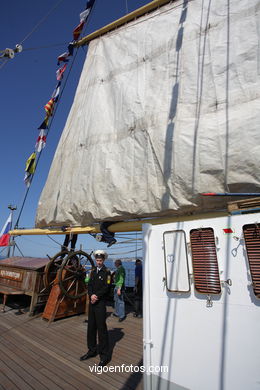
44 28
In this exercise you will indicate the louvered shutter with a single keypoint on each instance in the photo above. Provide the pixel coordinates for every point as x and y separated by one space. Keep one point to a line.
252 241
204 260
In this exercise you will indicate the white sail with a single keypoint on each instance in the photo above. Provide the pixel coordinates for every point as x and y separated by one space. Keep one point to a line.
167 107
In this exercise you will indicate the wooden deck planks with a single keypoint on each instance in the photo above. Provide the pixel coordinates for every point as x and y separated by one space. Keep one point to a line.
36 354
29 377
7 378
48 363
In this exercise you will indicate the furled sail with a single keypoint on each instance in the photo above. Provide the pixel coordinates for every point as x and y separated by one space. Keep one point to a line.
167 107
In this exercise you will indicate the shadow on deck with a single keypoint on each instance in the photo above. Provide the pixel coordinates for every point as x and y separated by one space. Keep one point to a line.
36 354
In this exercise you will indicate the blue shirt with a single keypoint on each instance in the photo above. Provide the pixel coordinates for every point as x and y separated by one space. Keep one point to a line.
139 272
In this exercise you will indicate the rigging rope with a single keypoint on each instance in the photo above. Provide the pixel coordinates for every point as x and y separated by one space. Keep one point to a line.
48 130
31 32
4 61
55 107
130 241
137 249
41 21
123 253
45 47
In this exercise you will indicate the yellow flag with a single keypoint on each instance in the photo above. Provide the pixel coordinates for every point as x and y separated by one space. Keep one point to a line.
31 164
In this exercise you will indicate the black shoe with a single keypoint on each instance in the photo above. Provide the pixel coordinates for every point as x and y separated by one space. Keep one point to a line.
103 362
112 242
88 355
122 319
114 315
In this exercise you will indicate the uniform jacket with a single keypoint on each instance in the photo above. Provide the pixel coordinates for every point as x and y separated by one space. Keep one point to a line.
99 283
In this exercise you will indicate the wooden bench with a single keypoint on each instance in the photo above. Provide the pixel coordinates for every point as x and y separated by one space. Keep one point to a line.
5 290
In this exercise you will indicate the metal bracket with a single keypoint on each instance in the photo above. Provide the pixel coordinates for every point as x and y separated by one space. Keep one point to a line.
228 282
9 53
164 281
147 342
209 301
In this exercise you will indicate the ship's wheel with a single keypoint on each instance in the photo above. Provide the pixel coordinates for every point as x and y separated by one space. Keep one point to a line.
52 267
72 274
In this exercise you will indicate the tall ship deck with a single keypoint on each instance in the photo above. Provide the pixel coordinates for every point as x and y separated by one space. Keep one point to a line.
36 354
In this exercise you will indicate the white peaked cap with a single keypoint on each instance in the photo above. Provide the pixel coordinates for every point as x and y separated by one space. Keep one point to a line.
100 252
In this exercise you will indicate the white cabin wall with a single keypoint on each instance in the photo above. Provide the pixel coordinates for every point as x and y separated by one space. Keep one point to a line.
204 347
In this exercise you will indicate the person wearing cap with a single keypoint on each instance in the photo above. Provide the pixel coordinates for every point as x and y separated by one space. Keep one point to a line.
98 288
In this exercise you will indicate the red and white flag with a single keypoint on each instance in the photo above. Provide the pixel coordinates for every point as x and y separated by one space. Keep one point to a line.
83 16
60 71
77 31
4 235
41 141
63 57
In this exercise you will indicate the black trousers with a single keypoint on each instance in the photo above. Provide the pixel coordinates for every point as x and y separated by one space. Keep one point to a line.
138 299
138 302
70 239
97 326
107 235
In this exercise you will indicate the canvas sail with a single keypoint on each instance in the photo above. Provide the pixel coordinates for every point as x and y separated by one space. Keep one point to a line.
167 107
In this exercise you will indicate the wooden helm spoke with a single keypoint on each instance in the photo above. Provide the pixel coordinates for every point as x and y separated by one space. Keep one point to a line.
52 268
68 278
70 270
72 273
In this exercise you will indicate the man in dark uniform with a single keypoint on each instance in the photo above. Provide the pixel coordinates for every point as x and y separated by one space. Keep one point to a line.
98 288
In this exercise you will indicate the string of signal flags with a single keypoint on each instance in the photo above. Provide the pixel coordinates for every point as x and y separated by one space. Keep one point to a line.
62 61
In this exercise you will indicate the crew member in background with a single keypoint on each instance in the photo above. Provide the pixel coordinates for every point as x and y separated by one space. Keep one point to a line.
69 239
138 290
98 288
106 235
119 280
